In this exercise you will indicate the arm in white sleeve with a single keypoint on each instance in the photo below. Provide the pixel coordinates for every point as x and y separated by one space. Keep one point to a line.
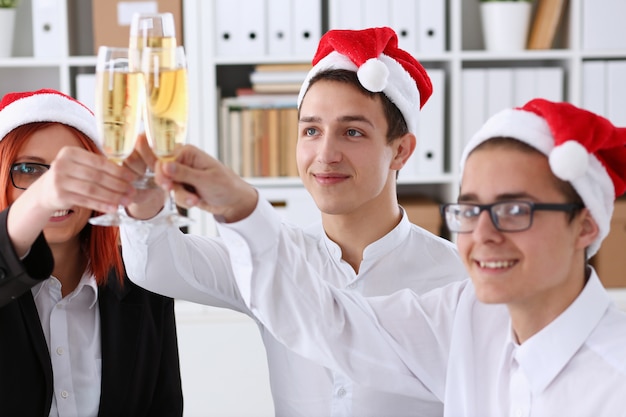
398 343
162 259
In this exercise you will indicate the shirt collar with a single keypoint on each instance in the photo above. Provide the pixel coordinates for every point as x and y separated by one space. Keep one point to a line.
382 246
545 354
87 282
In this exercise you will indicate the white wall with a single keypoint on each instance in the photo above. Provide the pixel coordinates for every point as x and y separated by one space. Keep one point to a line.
223 364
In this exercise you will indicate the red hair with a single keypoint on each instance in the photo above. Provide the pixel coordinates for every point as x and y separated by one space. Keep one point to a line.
101 244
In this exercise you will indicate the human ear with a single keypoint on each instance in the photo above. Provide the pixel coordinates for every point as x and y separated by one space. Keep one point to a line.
589 229
404 147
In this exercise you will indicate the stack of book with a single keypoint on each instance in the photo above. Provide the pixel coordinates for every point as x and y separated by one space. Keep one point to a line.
258 134
278 78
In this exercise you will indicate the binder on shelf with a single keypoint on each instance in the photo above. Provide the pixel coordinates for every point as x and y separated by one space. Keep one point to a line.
545 23
594 86
345 14
499 91
524 85
616 92
375 13
86 90
404 20
253 29
307 26
431 26
49 28
603 24
430 140
227 31
549 83
473 102
279 28
237 33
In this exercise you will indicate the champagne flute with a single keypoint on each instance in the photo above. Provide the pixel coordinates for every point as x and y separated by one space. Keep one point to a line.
117 110
165 73
155 30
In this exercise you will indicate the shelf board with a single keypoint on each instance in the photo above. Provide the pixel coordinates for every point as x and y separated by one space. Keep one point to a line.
526 55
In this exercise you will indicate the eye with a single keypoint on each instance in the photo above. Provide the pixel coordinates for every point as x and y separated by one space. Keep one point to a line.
29 169
468 212
310 131
513 209
353 133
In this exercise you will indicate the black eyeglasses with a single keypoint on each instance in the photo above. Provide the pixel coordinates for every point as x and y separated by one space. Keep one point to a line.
23 174
507 216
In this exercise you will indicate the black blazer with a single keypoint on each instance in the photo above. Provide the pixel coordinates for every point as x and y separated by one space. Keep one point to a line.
140 367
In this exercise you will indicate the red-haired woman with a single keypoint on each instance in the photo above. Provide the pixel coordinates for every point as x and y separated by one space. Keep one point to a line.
77 338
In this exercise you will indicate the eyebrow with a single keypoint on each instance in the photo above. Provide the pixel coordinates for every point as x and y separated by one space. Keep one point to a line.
471 197
343 119
29 158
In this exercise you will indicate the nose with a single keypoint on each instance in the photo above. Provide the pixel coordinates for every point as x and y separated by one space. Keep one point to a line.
328 151
485 229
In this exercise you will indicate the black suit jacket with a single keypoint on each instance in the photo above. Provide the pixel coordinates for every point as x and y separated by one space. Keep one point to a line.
140 367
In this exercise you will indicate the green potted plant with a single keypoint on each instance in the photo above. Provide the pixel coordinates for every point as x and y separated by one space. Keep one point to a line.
8 10
505 24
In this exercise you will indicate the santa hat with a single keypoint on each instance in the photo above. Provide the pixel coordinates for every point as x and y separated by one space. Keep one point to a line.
17 109
380 66
582 148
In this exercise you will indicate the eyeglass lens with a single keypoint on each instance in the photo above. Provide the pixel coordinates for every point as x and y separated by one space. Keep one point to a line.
23 174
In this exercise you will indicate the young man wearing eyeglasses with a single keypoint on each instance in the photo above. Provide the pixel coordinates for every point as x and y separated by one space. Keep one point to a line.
533 333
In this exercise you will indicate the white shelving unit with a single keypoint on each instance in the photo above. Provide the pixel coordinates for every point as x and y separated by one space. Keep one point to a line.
464 49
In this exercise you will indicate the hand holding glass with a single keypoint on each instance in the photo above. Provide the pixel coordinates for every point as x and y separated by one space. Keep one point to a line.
165 73
117 109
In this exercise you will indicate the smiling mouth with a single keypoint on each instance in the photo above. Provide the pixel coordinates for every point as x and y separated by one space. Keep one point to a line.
61 213
496 264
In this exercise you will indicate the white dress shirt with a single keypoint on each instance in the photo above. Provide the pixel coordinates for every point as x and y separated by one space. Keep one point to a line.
198 269
71 326
445 341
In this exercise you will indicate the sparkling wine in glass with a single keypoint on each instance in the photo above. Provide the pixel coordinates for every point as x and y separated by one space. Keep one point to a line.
154 30
117 109
166 108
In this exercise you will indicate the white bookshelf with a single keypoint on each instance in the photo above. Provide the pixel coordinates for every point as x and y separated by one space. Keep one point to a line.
464 49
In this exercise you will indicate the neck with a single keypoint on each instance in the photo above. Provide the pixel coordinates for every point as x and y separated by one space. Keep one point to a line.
530 317
353 232
70 263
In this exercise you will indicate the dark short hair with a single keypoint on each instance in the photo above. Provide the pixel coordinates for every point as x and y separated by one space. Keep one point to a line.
396 124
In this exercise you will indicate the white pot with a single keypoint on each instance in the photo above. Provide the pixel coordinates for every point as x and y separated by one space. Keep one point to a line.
505 24
7 26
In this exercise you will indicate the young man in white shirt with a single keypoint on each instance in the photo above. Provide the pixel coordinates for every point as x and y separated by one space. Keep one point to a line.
359 110
533 333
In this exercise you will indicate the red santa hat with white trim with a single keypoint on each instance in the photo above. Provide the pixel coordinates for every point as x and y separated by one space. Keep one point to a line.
380 65
46 105
582 147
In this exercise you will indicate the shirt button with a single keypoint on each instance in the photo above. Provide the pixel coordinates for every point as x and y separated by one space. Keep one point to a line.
519 412
352 286
341 392
65 394
60 350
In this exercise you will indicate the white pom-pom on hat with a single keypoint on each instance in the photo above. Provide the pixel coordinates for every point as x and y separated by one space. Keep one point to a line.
373 75
569 160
